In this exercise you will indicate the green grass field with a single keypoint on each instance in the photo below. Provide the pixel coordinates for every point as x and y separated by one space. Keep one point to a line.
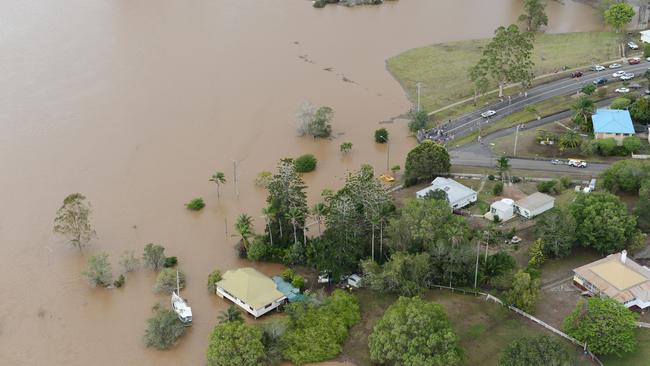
442 68
484 328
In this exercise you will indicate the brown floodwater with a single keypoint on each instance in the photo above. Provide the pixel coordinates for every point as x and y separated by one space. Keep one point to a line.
135 103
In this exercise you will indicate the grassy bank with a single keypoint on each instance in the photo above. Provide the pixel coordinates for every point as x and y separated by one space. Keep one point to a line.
442 68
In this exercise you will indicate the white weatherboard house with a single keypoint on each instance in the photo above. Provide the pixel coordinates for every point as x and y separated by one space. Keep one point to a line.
504 209
458 195
534 205
251 291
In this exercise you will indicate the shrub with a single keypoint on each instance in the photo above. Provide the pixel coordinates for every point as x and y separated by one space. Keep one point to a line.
288 274
195 204
548 187
498 188
119 282
646 50
631 144
515 179
170 262
395 169
620 103
565 181
213 278
345 147
589 89
163 329
129 262
607 146
381 136
263 179
531 351
601 92
320 3
305 163
154 256
298 282
166 282
491 177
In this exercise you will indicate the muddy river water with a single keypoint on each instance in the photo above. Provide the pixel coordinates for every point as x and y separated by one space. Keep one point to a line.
135 103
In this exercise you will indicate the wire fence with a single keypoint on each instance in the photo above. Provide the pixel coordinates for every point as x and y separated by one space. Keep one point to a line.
528 316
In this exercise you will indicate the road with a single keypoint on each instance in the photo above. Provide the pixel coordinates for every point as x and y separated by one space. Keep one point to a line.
469 122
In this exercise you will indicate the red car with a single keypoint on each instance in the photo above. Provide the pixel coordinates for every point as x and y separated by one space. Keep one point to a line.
633 61
576 74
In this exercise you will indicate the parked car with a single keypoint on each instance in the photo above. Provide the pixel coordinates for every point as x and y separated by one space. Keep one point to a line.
627 76
577 163
618 74
354 280
600 81
634 61
647 59
325 277
634 86
632 45
488 113
614 66
622 90
556 162
600 67
576 74
647 92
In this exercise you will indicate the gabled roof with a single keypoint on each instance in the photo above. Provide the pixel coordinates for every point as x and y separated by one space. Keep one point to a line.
534 201
612 121
620 281
250 286
455 191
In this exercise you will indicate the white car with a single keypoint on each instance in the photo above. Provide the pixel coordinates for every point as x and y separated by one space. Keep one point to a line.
633 45
627 76
618 74
622 90
577 163
600 68
489 113
614 66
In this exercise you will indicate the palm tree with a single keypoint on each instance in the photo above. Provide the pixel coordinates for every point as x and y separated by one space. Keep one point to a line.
318 212
583 108
570 140
232 314
219 178
503 165
243 227
267 212
294 215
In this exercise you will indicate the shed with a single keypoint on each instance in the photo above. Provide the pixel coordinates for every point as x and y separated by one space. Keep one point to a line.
504 209
250 290
458 195
534 205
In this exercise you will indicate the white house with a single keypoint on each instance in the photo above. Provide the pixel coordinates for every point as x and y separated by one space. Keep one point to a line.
534 205
458 195
504 209
250 290
645 36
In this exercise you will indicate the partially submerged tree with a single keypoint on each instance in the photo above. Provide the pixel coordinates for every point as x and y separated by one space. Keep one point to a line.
235 344
345 147
414 332
244 228
154 256
213 278
129 261
315 122
98 272
506 59
219 179
163 329
72 221
534 16
166 281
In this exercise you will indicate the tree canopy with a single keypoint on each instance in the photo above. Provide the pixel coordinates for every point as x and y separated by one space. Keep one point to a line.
154 256
73 221
535 351
418 120
163 329
235 343
98 272
506 59
607 326
625 175
427 160
642 209
603 223
618 15
524 292
414 332
556 229
405 274
640 110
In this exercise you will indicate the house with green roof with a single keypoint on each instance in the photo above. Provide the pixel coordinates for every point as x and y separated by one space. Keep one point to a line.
612 123
251 290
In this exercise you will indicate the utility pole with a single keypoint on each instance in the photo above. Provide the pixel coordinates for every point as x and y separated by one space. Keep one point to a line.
419 84
387 156
478 254
514 153
487 244
234 165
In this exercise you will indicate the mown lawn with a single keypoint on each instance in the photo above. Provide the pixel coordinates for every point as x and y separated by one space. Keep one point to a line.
442 68
484 328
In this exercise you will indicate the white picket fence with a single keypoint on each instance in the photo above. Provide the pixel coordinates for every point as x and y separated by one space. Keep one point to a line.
635 156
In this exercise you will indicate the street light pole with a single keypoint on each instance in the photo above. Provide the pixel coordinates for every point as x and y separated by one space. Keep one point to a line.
418 95
514 153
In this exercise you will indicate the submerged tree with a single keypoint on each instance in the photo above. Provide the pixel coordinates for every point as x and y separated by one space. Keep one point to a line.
98 272
72 221
154 256
163 329
535 15
219 179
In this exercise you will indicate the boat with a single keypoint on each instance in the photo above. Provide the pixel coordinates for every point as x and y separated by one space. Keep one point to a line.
180 305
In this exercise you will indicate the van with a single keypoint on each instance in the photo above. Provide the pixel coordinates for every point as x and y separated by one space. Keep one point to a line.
577 163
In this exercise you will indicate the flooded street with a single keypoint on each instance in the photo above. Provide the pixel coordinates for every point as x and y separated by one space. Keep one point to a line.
136 103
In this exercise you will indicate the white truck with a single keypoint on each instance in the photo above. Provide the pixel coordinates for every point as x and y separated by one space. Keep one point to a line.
577 163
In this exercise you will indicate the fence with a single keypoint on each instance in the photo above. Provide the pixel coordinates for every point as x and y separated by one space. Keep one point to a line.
534 319
635 156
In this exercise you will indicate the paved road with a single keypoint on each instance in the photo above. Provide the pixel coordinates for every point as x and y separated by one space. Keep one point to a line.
468 122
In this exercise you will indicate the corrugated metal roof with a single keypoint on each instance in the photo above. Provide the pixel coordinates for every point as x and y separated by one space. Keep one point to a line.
612 121
620 281
534 201
455 191
250 286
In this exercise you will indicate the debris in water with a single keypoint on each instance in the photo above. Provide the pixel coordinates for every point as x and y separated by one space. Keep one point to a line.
348 80
328 69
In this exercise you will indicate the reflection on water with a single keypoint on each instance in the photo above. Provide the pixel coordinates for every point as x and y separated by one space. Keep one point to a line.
136 103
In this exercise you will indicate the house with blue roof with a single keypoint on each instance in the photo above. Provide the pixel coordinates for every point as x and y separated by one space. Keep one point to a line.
612 123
